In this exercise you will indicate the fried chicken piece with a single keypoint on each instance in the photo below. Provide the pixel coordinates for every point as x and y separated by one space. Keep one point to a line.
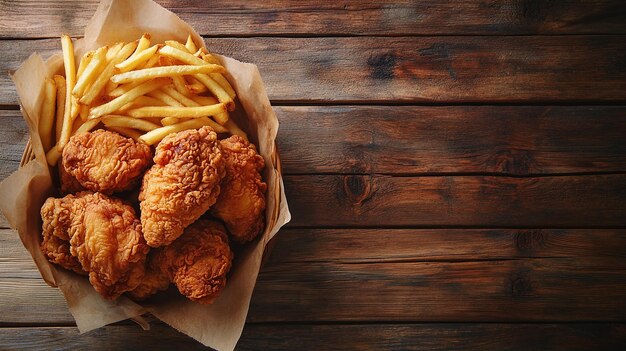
55 244
104 236
105 161
155 279
181 185
69 184
241 204
197 263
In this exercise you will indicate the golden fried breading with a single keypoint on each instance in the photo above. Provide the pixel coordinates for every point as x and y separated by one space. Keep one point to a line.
55 244
104 235
155 279
105 161
197 263
181 185
241 203
69 184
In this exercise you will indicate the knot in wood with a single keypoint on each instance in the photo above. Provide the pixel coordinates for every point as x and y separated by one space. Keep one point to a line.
357 188
515 161
529 240
520 285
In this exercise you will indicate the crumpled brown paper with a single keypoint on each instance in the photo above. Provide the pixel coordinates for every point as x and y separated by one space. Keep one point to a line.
22 194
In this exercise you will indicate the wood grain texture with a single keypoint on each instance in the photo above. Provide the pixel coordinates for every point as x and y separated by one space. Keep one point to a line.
423 275
513 140
34 19
374 201
517 140
13 139
572 69
441 245
428 336
576 289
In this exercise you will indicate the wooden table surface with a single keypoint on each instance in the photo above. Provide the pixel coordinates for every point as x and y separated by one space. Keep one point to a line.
456 171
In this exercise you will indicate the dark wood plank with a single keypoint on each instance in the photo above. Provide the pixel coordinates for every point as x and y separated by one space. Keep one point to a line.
436 245
576 289
370 201
580 69
33 19
430 336
514 140
423 275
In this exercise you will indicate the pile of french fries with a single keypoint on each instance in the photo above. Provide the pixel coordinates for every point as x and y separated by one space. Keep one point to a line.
139 90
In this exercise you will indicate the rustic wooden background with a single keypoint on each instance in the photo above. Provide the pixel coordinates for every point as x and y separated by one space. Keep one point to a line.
456 172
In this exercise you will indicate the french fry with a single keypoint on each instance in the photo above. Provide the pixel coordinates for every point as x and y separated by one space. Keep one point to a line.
168 100
223 82
176 44
234 129
195 86
46 115
219 92
154 136
181 55
113 51
59 81
109 87
84 62
166 71
128 122
87 126
220 118
208 57
142 101
135 61
190 45
169 90
127 132
94 90
89 73
124 88
178 112
77 123
180 85
168 121
122 100
148 101
142 45
152 61
70 79
220 79
84 112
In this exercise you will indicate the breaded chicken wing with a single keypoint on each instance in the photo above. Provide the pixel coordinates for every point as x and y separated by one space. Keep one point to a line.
197 263
105 161
104 236
56 242
241 204
181 185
